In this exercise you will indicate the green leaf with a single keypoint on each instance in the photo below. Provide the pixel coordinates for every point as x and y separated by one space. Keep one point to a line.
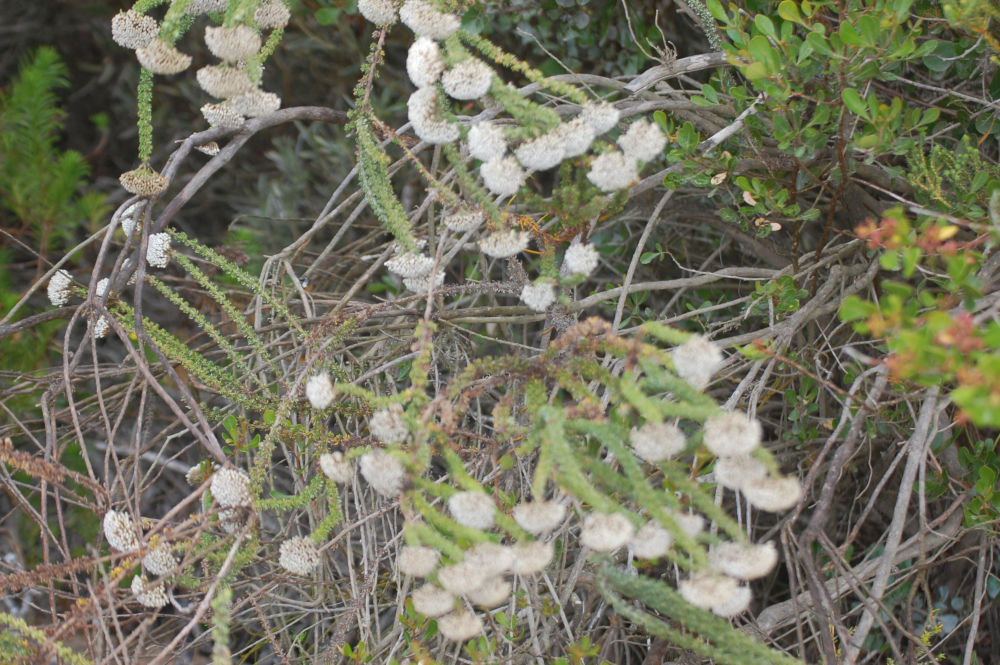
789 11
854 103
765 26
849 35
854 308
328 15
889 260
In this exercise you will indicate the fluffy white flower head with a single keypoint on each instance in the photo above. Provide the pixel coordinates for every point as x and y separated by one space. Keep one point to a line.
744 561
605 532
576 137
655 442
531 558
58 289
222 115
298 555
472 509
160 560
612 171
690 523
462 577
255 103
128 217
736 472
432 601
486 141
502 175
600 116
410 264
121 531
469 79
424 20
490 558
504 244
231 488
697 360
424 283
417 561
539 516
336 467
737 603
425 116
149 594
731 434
460 626
541 153
539 295
160 58
379 12
705 589
423 62
651 541
223 82
773 493
464 219
495 591
580 259
383 472
319 391
643 141
158 250
387 425
271 15
133 30
232 44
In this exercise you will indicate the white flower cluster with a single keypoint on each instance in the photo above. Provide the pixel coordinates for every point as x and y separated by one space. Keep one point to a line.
540 295
231 488
655 442
464 219
479 578
410 264
336 467
580 259
158 250
472 509
387 425
230 81
417 561
427 119
733 437
121 532
149 594
696 361
144 181
160 57
502 175
539 516
319 391
424 283
383 472
59 288
605 532
160 561
133 30
298 555
272 15
424 20
469 79
504 244
486 141
380 12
